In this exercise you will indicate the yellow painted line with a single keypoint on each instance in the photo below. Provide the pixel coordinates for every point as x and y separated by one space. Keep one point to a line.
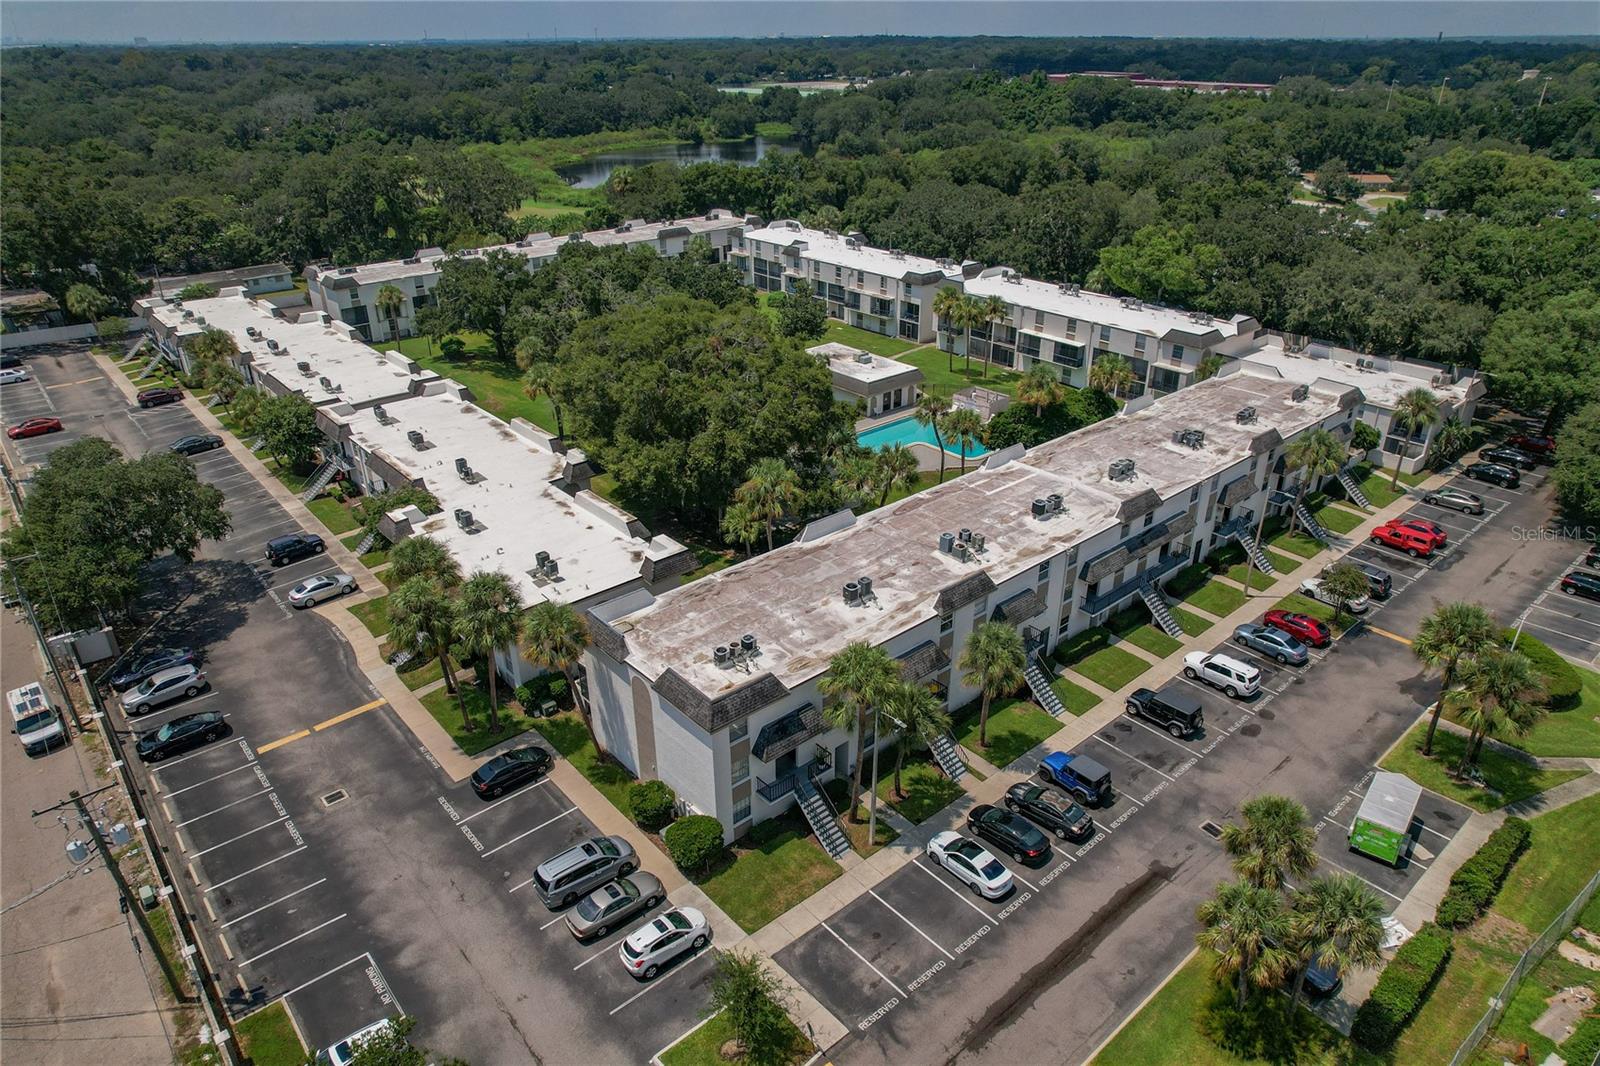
281 741
65 384
347 715
1392 636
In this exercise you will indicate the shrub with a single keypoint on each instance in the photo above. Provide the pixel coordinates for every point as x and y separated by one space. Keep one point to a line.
1402 988
694 841
1194 575
1563 685
1474 886
1018 423
651 803
548 686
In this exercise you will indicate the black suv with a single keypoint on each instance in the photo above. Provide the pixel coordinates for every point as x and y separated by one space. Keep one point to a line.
295 546
1506 456
1172 709
1012 833
1051 810
1495 474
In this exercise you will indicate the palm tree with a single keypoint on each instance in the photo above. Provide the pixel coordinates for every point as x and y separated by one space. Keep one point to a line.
390 301
555 635
947 306
1417 409
1335 922
1110 373
1040 388
1316 454
895 467
1245 925
1344 582
1449 443
741 526
1499 693
423 556
773 487
213 347
540 381
919 715
1451 633
858 676
422 618
225 382
1209 365
1273 844
991 310
856 474
930 411
85 302
965 428
489 618
992 661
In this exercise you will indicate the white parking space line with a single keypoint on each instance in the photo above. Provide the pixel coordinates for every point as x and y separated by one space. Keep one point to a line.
552 921
291 940
955 892
168 764
657 983
1024 880
1135 758
241 836
1169 738
591 958
914 926
528 832
1380 888
325 570
274 903
253 869
1442 836
176 705
207 781
863 958
519 793
1564 615
1453 525
327 973
225 806
1563 633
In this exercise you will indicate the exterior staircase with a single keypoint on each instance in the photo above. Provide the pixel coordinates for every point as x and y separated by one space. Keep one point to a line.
1353 491
319 480
1159 611
944 753
1039 685
820 815
367 542
1252 549
1309 521
155 361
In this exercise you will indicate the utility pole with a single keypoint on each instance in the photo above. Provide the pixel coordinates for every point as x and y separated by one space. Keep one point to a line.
872 786
1442 85
1542 90
44 647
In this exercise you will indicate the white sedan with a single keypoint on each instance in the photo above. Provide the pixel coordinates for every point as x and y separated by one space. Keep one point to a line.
314 590
1314 588
972 865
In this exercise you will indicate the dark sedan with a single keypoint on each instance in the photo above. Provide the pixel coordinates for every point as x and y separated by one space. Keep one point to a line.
509 770
1052 810
195 444
1513 457
159 396
1579 583
1010 832
149 663
1494 474
183 733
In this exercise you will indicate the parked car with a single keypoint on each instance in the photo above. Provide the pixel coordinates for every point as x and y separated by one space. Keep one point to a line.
1050 810
34 427
162 687
1270 640
1494 474
1174 710
10 360
13 374
1439 534
971 864
1079 775
511 769
1507 456
1592 559
613 903
563 877
183 733
1009 831
1401 537
293 547
344 1052
1379 582
1314 588
136 670
315 590
662 939
1455 499
1533 445
159 396
195 443
1232 676
35 720
1302 627
1579 583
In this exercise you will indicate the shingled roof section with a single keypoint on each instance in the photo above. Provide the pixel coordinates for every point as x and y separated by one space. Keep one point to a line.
655 570
608 640
969 589
925 660
1021 607
711 715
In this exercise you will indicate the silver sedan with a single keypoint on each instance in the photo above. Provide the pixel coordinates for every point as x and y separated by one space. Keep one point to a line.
314 590
1272 642
616 901
1457 499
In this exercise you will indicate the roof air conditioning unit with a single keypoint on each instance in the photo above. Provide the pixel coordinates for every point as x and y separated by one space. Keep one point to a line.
864 358
976 543
961 551
326 383
1245 416
381 415
1041 508
463 471
1121 470
252 332
947 542
852 592
1190 438
464 518
272 345
550 569
304 367
539 559
866 587
721 656
416 438
1054 502
747 644
1300 393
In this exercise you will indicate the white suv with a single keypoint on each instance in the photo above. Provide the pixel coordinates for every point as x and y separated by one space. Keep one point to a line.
1222 671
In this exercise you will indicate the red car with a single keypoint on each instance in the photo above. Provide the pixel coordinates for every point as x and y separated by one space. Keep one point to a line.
1428 529
1302 627
1533 445
157 397
34 427
1401 536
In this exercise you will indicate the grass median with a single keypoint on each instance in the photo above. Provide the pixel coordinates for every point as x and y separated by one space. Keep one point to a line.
927 790
267 1038
772 868
446 710
1506 778
1015 726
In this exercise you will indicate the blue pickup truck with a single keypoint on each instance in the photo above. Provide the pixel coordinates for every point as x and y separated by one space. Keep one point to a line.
1080 775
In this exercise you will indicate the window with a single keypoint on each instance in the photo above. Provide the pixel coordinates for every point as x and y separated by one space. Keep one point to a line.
741 811
1072 327
1028 345
1038 319
1164 380
1149 518
947 622
1044 571
1105 334
911 312
908 330
1177 353
978 609
882 308
1194 494
1123 532
1138 343
738 731
741 771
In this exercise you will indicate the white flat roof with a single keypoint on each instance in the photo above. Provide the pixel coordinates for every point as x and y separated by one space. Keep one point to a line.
517 509
858 364
1116 311
1380 387
845 251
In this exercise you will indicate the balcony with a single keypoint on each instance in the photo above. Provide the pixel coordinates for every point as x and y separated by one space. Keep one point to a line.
784 784
1107 600
1243 522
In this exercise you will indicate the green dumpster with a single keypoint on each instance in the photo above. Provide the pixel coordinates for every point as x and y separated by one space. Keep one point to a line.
1382 828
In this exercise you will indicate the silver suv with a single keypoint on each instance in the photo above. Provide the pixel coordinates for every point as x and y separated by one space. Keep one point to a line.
163 687
563 878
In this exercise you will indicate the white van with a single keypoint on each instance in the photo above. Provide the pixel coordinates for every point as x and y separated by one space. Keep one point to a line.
37 724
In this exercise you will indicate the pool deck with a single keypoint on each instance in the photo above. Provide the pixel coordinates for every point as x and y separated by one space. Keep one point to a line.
927 454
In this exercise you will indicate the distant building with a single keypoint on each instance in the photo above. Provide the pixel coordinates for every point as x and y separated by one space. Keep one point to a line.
883 385
1145 81
255 280
27 309
1368 182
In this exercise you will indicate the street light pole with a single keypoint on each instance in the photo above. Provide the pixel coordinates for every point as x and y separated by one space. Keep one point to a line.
44 647
872 786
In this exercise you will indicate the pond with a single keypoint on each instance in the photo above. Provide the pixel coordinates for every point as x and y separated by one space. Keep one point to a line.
593 170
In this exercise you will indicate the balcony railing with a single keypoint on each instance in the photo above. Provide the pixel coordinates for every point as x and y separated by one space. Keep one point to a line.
1243 522
781 786
1107 600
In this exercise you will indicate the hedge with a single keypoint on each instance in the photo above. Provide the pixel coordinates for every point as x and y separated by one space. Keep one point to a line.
1562 683
694 841
1474 886
1402 989
651 803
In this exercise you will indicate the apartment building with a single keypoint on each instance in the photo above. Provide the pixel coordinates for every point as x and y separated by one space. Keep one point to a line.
1065 327
712 686
878 290
880 385
350 294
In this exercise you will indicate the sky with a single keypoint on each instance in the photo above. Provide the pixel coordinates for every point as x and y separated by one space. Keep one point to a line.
312 21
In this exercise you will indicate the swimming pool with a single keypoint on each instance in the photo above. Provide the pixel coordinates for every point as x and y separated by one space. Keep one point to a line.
908 431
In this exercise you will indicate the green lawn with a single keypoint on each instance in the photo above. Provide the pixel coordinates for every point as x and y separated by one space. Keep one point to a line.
374 614
1477 968
1573 732
1193 625
927 790
1130 625
856 832
1528 1003
425 673
877 343
1216 598
1015 726
1337 518
1563 855
703 1047
1258 580
1078 700
1111 668
1298 544
268 1038
1375 484
770 870
937 375
446 710
333 514
568 735
1511 778
496 385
